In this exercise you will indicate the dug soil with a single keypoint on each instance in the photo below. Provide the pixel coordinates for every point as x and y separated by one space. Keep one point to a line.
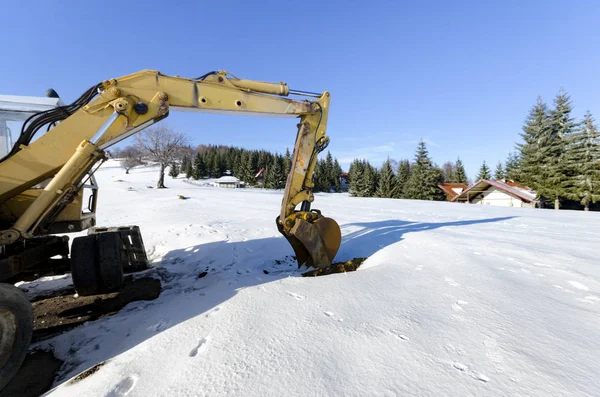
64 311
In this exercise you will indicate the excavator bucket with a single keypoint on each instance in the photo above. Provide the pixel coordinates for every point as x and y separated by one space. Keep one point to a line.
315 243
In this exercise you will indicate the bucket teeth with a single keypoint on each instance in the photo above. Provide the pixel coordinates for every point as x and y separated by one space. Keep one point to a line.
315 243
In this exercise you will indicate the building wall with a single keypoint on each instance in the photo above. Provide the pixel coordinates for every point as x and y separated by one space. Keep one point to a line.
493 196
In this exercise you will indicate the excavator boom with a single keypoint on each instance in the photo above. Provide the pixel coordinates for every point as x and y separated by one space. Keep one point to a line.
118 108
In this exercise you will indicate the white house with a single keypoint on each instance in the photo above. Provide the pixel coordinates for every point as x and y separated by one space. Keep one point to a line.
501 193
228 182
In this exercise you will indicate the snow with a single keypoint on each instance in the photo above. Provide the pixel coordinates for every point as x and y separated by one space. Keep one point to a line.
454 299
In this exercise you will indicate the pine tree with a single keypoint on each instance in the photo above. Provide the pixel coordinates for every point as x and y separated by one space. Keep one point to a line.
403 175
484 172
562 125
199 167
174 170
499 173
512 168
387 185
583 163
336 172
460 175
320 177
424 177
369 180
247 170
279 176
287 162
355 176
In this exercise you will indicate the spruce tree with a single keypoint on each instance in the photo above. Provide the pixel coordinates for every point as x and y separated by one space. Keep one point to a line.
403 175
536 131
512 168
287 162
424 177
280 177
336 172
369 180
247 169
174 170
562 125
199 167
499 172
583 164
460 175
387 185
355 175
484 172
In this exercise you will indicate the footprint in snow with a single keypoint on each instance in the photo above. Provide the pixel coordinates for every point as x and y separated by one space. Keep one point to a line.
458 305
124 387
199 348
463 368
333 316
579 285
299 297
451 282
589 299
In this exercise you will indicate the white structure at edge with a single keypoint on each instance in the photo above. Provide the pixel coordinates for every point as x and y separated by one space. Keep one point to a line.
228 182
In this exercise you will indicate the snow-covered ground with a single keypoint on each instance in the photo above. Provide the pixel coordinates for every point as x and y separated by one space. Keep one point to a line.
453 300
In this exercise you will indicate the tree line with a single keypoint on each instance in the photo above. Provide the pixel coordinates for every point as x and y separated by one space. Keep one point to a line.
558 156
215 161
418 180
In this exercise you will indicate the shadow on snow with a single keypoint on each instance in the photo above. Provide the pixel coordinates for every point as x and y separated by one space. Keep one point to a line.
229 267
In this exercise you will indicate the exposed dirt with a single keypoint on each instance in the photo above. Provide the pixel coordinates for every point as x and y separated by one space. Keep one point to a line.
64 311
87 373
60 313
340 267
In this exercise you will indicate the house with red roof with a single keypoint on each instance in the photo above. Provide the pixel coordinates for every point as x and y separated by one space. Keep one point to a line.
451 190
506 193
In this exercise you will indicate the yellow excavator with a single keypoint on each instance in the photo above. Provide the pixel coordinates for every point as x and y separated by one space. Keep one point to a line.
47 185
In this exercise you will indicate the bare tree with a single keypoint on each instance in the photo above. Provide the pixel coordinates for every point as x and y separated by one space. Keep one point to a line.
162 145
131 157
448 170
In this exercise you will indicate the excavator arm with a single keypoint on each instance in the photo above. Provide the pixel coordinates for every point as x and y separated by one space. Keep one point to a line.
118 108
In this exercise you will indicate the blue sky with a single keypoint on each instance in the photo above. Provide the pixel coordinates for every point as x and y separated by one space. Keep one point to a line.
462 76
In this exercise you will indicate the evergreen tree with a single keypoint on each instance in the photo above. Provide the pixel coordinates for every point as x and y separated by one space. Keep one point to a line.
583 163
499 173
369 180
512 168
484 172
287 162
532 170
320 177
562 125
247 169
199 167
336 172
189 169
355 176
174 170
403 175
460 175
387 185
424 177
280 177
